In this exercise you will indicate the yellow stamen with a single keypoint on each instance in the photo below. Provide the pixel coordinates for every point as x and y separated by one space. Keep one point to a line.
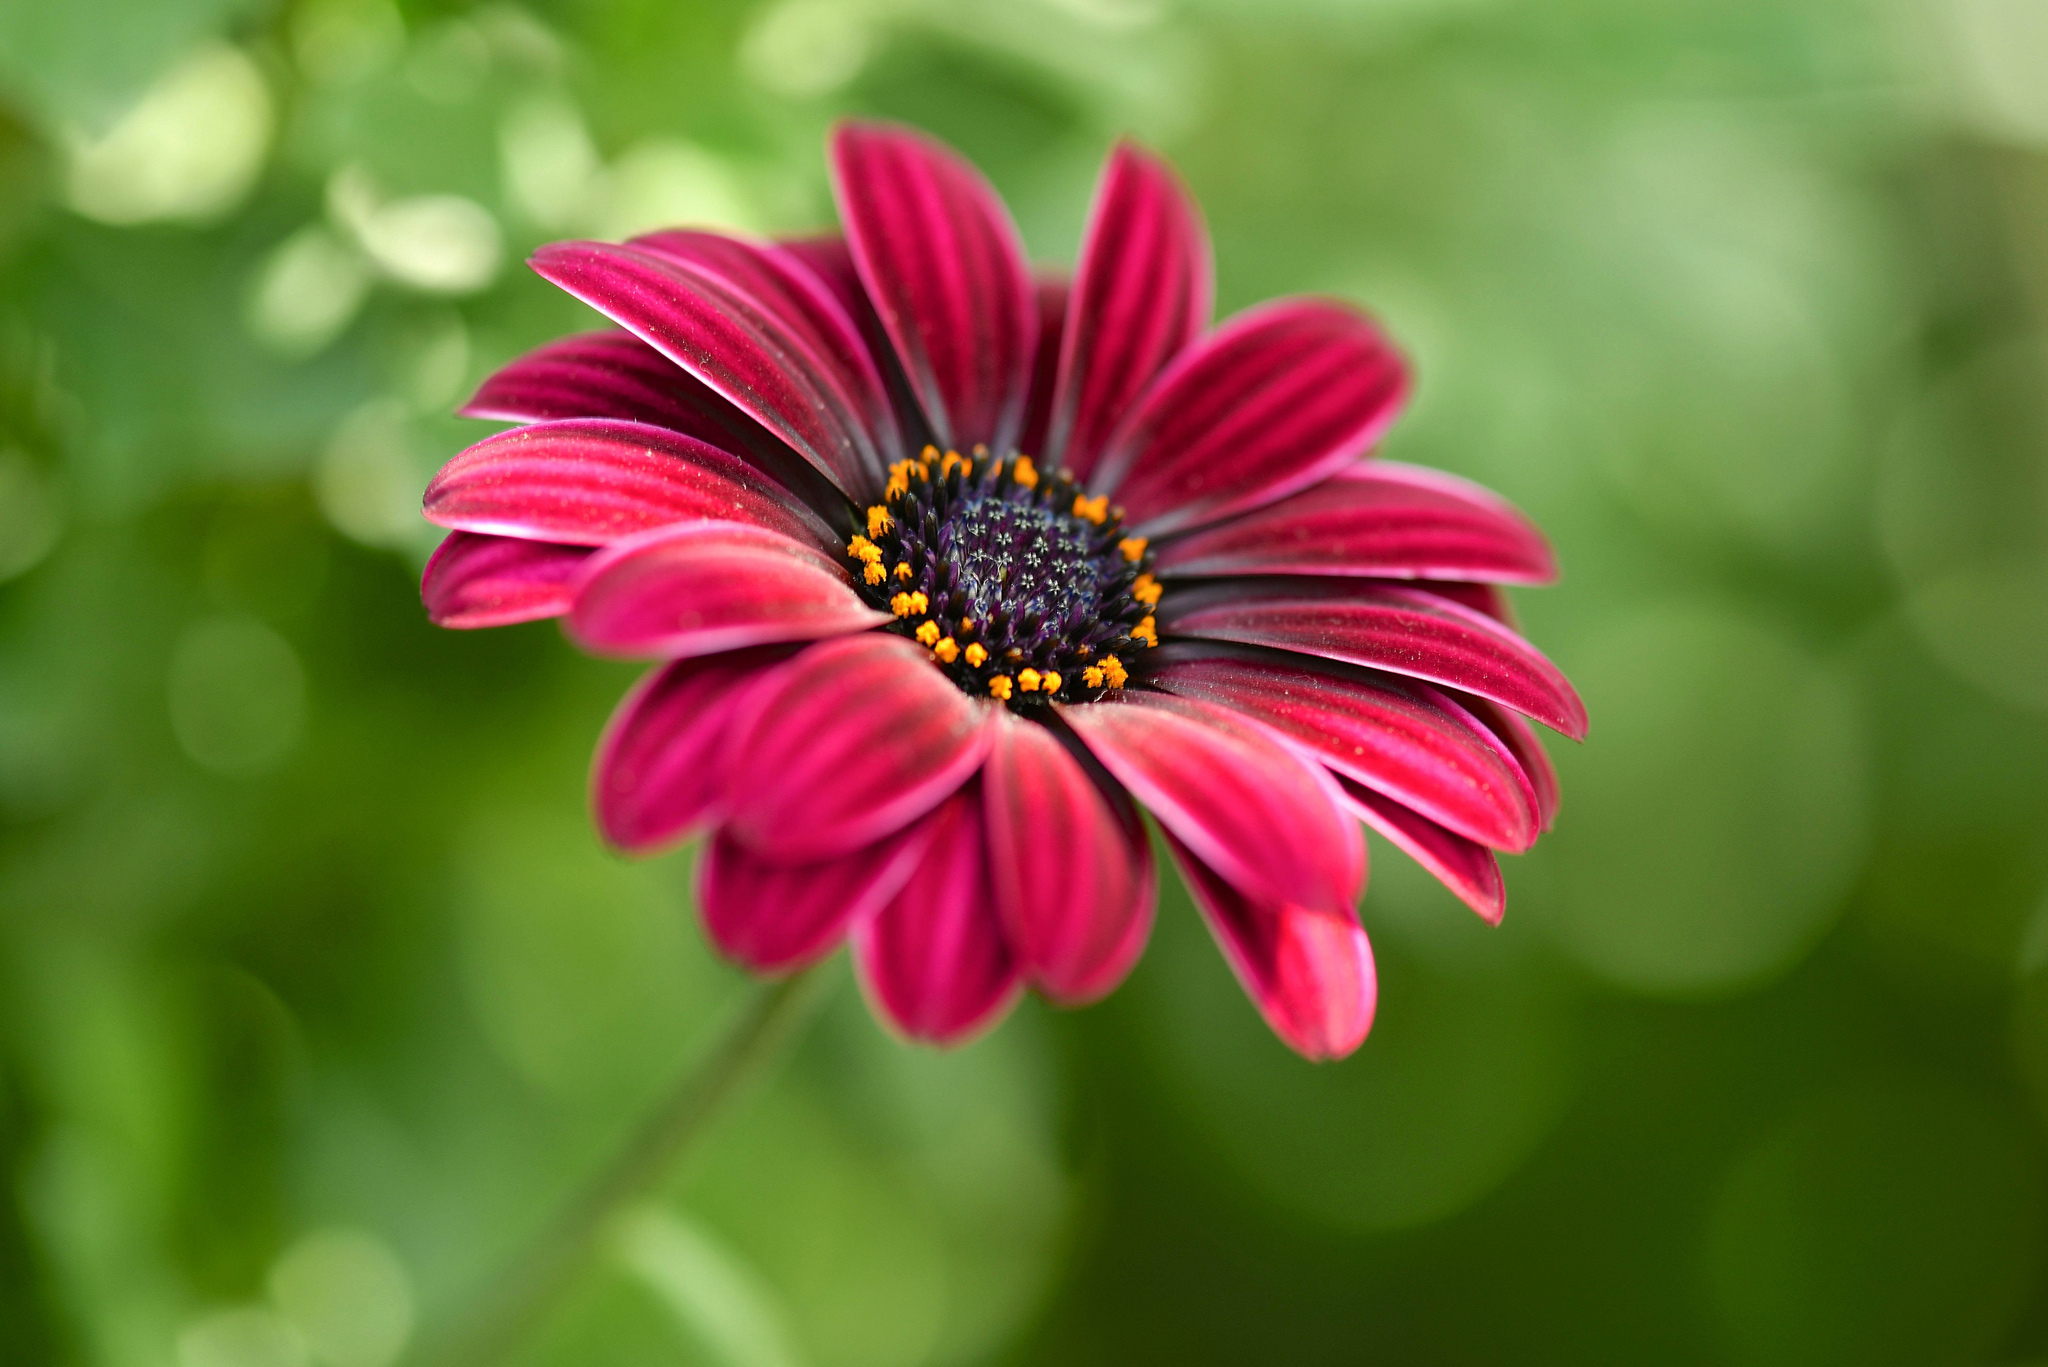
1000 686
1133 547
900 605
1024 472
976 656
1146 590
1027 680
1092 676
880 521
920 603
947 650
903 569
1146 631
927 633
1051 682
966 624
1113 671
1093 509
873 574
862 549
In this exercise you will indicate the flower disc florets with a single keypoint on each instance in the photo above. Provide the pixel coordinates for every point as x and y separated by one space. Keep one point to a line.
1021 586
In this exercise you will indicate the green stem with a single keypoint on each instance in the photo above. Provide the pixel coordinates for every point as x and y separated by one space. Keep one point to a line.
529 1288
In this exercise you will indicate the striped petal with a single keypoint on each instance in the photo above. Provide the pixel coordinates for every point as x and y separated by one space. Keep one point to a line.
1264 818
945 268
853 739
660 772
1466 867
730 341
704 587
1308 969
493 581
776 918
1404 739
1142 293
934 960
1069 864
1376 520
778 280
1520 740
1403 631
590 482
1271 402
1052 317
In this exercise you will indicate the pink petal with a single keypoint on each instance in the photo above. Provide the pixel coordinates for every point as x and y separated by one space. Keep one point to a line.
944 266
1308 969
1400 630
698 588
590 482
1519 739
1274 400
1464 866
730 341
493 581
1375 519
851 740
1142 293
1404 739
659 772
782 283
933 960
826 257
1052 317
1069 862
776 918
1488 600
1266 819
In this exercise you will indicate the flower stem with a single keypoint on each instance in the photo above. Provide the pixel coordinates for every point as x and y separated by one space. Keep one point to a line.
530 1286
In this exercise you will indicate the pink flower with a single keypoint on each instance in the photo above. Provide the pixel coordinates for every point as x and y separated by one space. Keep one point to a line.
951 568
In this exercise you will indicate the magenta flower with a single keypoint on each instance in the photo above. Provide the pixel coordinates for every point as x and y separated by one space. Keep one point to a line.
951 569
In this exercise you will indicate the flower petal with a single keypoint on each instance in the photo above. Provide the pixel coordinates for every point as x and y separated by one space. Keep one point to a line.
1269 403
1519 739
852 739
1069 863
826 257
731 342
933 960
1403 739
698 588
944 266
778 281
1376 519
1403 631
1308 969
1142 293
1266 819
590 482
493 581
1052 318
1466 867
659 772
776 918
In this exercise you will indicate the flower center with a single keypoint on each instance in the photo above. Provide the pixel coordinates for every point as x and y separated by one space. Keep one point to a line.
1021 586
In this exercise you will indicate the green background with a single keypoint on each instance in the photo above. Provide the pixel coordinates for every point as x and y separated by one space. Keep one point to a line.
317 993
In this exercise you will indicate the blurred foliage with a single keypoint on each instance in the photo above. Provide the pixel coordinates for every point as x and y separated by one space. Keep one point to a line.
316 991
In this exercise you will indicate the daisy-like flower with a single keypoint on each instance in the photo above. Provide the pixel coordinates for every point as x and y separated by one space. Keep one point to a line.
951 569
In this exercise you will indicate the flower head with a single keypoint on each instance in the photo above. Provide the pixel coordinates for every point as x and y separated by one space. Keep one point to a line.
952 569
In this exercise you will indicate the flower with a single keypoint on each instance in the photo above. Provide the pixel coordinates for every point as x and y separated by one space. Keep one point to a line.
952 568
